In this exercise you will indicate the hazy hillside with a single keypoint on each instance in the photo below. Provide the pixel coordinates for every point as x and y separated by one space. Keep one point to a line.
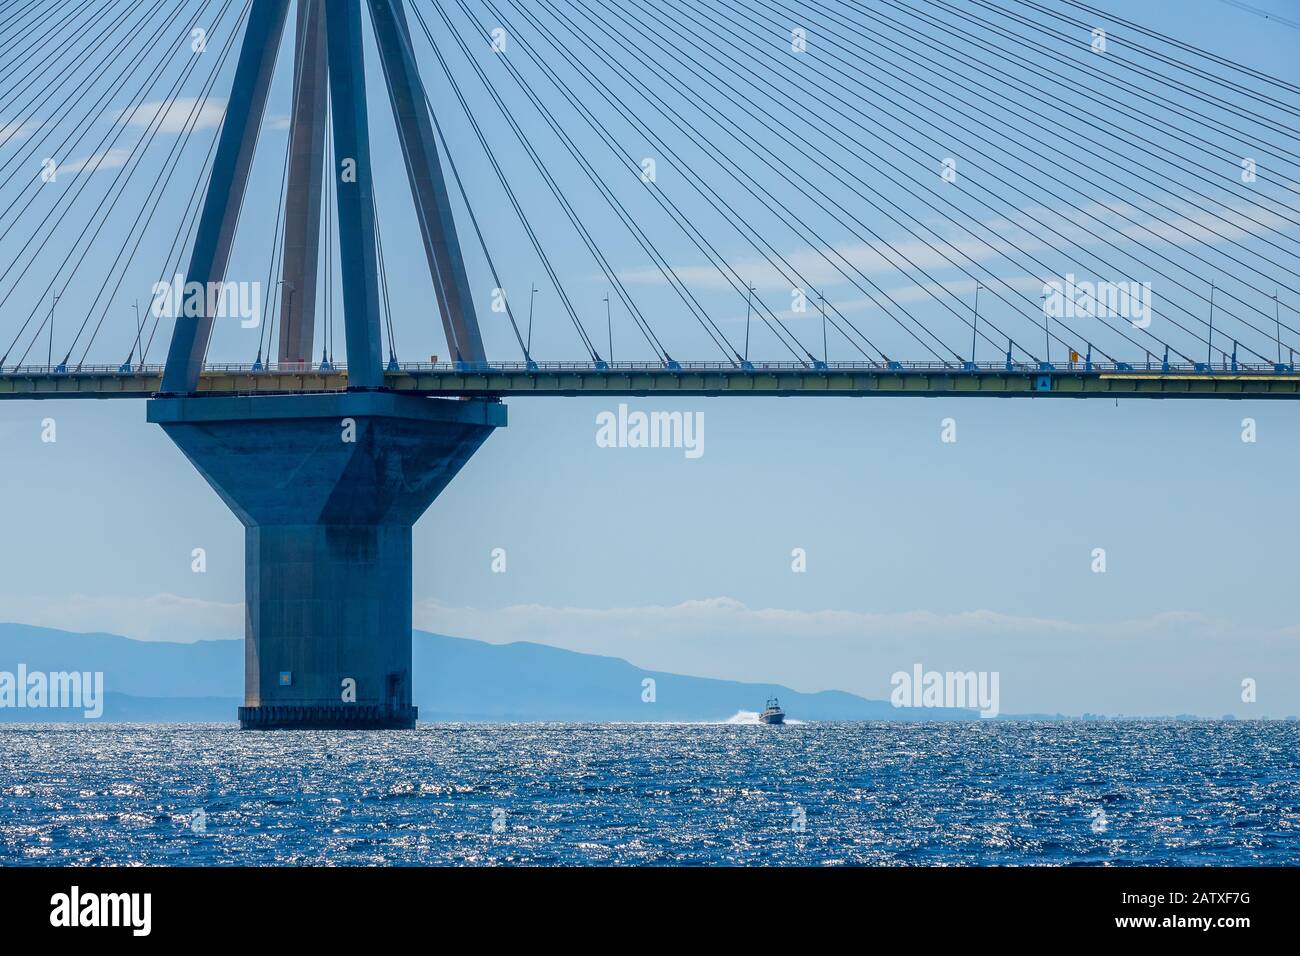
455 679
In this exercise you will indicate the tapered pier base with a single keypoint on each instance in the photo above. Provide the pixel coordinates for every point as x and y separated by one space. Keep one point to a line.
328 488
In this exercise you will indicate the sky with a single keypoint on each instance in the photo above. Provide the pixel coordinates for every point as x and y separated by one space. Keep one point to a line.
973 554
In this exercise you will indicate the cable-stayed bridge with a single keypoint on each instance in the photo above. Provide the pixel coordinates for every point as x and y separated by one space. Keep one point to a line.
690 197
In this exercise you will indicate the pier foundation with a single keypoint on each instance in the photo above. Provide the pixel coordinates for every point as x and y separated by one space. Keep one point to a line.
328 488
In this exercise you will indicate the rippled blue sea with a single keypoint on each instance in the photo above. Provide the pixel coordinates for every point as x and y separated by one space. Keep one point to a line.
947 793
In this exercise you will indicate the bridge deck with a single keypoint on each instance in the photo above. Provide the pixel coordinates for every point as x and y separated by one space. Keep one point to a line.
691 379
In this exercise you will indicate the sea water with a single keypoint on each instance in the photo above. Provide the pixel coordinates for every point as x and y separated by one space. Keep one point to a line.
990 792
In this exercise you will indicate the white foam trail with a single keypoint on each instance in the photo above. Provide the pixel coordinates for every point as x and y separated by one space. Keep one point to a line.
751 717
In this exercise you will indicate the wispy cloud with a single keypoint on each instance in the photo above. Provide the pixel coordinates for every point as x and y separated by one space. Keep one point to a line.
945 247
957 293
15 131
175 115
818 269
718 616
108 159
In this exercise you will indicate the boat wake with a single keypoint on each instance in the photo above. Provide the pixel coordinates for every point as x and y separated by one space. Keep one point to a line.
751 717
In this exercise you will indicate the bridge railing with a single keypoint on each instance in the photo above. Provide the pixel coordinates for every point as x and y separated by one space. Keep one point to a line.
850 366
642 367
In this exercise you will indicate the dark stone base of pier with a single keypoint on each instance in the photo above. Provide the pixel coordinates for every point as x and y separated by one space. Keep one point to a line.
334 717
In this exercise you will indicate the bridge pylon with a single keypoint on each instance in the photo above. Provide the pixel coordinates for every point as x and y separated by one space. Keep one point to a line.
327 487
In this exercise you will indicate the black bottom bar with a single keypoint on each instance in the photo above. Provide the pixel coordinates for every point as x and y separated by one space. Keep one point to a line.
980 909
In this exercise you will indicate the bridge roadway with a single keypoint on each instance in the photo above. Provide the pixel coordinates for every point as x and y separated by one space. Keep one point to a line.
508 379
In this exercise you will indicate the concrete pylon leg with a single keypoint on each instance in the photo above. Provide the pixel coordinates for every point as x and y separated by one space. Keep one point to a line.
428 187
328 488
354 186
230 170
303 197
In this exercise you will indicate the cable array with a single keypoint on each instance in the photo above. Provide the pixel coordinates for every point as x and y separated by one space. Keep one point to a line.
738 176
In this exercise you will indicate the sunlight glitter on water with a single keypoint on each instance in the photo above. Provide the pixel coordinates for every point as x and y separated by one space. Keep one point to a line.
738 792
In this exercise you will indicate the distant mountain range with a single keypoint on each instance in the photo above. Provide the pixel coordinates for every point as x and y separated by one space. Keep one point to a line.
455 679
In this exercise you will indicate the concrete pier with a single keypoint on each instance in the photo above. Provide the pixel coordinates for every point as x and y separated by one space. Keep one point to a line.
328 488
